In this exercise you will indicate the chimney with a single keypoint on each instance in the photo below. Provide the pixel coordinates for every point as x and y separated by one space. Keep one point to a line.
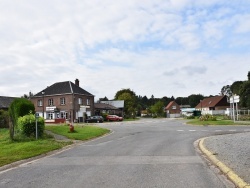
77 82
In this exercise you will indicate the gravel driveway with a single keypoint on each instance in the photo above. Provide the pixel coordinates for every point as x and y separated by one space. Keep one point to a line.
233 150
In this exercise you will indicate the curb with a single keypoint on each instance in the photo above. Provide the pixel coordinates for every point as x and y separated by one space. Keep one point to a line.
226 170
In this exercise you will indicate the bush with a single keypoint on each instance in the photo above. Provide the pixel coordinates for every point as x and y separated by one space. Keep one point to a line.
27 125
18 108
207 117
190 117
4 119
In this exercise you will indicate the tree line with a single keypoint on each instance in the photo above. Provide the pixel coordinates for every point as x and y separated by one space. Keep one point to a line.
240 88
135 104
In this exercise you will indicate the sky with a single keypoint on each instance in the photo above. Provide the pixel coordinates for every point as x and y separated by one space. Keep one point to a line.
153 47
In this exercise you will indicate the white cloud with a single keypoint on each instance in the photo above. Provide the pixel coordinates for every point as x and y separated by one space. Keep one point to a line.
157 47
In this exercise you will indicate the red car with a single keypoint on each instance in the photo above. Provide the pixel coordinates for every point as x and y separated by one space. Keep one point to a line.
114 118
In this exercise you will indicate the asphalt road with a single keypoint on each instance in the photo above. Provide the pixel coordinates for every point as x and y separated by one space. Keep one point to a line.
146 153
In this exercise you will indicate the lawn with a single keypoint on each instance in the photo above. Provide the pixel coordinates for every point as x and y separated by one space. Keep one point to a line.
217 122
12 151
80 132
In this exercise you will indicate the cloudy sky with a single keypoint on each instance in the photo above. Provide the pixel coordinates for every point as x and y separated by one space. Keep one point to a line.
154 47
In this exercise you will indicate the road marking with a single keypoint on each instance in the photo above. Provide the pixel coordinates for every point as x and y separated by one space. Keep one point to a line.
192 130
180 130
232 130
218 130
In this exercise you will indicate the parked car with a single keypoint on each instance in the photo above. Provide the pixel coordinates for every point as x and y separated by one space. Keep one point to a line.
114 118
94 119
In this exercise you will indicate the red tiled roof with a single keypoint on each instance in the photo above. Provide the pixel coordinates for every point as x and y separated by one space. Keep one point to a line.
210 102
171 104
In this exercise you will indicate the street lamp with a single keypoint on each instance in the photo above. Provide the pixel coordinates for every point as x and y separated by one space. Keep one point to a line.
43 102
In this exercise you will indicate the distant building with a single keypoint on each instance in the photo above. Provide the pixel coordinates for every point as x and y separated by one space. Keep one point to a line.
119 104
106 108
213 105
5 102
64 102
173 110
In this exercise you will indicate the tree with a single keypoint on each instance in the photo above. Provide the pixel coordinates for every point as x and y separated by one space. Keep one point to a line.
245 94
235 87
194 100
248 75
130 104
225 90
157 109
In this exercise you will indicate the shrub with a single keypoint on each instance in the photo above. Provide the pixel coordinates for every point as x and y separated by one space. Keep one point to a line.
207 117
4 119
27 125
190 117
18 108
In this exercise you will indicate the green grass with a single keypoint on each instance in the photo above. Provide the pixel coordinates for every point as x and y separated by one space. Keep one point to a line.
218 122
80 133
12 151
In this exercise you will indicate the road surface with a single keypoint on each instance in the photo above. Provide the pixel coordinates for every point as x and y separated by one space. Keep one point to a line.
144 154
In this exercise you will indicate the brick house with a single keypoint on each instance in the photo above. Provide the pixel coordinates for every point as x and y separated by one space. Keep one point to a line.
64 102
173 110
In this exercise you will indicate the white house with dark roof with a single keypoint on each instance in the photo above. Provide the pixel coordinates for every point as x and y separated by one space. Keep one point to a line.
64 102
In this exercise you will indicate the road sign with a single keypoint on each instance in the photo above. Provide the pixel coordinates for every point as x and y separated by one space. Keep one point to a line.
235 99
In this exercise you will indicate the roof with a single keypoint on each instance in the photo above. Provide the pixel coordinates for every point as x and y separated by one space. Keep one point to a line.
210 102
66 87
171 104
104 106
117 104
6 101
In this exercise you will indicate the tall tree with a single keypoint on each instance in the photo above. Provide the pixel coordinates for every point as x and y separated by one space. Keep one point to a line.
130 104
235 87
225 90
245 94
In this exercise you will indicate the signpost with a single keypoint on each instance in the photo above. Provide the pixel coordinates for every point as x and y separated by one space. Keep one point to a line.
37 115
234 100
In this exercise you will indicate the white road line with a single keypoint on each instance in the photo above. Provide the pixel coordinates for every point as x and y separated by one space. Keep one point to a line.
180 130
192 130
204 130
232 130
218 130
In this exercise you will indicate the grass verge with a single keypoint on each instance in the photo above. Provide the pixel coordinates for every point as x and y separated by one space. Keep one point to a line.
217 122
12 151
80 132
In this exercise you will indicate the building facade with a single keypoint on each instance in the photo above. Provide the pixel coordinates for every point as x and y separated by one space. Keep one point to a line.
64 102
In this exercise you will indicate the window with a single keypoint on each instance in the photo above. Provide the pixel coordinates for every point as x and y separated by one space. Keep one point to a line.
173 107
50 102
79 100
88 102
64 115
62 101
40 103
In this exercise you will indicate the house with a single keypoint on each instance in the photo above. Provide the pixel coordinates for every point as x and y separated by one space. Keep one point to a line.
213 105
172 110
106 108
64 102
116 103
5 102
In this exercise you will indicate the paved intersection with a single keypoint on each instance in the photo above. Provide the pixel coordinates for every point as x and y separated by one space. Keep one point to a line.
146 153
